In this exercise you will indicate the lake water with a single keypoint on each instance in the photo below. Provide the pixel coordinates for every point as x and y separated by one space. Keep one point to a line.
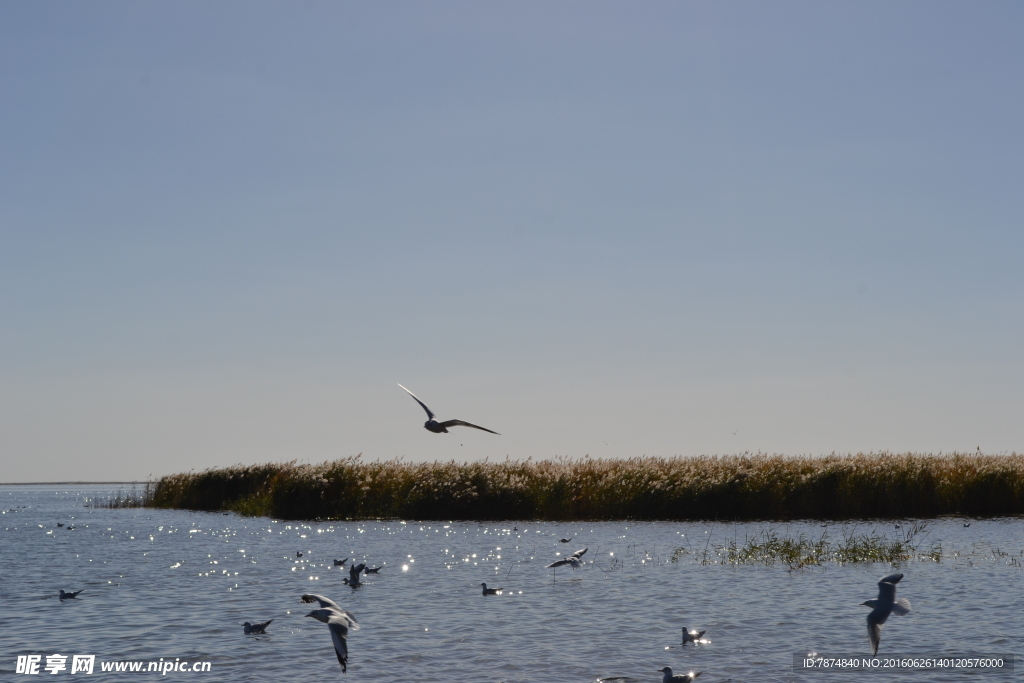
178 585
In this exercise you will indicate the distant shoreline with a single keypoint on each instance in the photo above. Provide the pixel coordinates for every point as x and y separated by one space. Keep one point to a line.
64 483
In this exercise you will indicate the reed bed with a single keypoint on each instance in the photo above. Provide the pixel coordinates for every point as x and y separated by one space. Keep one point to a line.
124 499
769 548
740 487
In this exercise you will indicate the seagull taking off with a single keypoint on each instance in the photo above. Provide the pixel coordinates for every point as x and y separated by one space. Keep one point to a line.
67 596
677 678
573 560
353 575
338 620
691 636
432 425
489 591
884 605
256 628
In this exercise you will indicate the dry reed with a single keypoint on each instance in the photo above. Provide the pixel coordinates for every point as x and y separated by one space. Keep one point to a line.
742 487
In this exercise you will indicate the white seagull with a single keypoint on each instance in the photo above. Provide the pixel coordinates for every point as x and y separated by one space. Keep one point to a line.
691 636
432 425
573 560
884 605
338 620
256 628
677 678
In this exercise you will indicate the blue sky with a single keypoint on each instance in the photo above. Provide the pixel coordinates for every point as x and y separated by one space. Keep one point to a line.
228 229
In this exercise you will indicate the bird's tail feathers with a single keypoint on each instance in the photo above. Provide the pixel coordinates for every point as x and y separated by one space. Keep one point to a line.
901 607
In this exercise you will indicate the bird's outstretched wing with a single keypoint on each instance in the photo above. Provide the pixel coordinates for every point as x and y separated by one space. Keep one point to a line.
338 633
461 423
579 553
559 563
356 568
891 578
430 415
324 602
874 632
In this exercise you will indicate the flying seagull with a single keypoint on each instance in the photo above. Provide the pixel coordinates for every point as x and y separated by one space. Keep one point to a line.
678 678
432 425
573 560
884 605
256 628
338 620
691 636
489 591
68 596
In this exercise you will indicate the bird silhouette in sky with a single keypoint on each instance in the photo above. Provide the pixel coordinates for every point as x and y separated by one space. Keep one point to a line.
432 425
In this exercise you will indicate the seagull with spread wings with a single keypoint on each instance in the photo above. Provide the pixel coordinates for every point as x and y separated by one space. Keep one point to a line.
432 425
884 605
353 574
573 560
339 621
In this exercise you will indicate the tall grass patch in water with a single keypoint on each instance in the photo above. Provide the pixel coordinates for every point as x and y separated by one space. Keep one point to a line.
740 487
124 499
770 548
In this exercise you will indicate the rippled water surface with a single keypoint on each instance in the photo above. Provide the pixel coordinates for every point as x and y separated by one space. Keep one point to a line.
175 584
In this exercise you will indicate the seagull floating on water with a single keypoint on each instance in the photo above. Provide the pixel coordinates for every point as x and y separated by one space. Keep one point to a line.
339 563
573 560
373 570
256 628
298 554
884 605
338 620
564 540
432 425
62 524
489 591
691 636
67 596
677 678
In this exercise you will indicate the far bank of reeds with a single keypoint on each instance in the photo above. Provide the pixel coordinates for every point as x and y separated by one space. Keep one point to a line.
743 487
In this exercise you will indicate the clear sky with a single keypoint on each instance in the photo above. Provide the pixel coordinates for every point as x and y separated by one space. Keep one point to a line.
228 229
